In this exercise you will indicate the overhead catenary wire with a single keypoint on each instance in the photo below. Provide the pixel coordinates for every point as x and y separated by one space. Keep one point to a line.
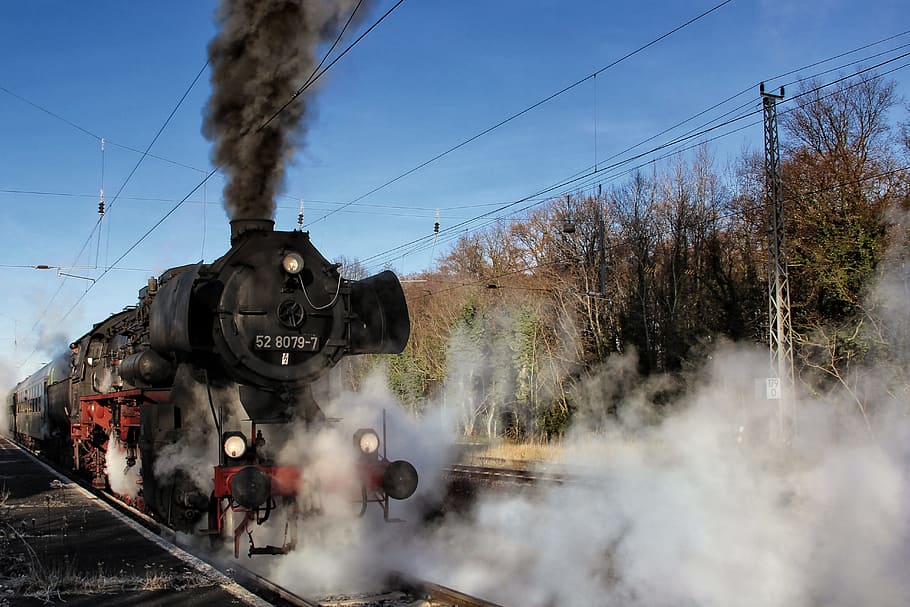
525 110
97 225
173 162
488 204
149 147
589 173
674 152
592 181
381 210
789 100
309 82
758 207
43 266
632 169
316 73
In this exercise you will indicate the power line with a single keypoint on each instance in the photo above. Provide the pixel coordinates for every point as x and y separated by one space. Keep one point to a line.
41 108
789 100
316 74
145 153
751 87
310 81
90 133
173 162
677 151
158 134
396 205
42 266
386 210
98 222
616 245
674 152
590 172
524 111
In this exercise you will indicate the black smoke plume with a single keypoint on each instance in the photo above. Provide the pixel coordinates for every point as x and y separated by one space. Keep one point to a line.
264 52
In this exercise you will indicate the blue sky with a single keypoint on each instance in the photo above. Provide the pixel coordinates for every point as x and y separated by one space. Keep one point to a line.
430 76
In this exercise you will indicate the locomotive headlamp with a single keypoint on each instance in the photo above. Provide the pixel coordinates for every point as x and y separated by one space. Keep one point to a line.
366 440
234 444
292 263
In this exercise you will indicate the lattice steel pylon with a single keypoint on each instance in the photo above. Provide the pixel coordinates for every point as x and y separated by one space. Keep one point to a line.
779 325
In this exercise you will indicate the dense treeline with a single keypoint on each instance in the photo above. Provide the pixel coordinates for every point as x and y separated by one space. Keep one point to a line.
516 320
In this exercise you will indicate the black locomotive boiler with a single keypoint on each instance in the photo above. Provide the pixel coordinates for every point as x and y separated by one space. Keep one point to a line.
265 321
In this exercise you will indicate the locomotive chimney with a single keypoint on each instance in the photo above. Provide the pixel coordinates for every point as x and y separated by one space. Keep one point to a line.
239 227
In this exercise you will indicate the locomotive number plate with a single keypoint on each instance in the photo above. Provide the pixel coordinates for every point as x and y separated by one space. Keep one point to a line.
299 343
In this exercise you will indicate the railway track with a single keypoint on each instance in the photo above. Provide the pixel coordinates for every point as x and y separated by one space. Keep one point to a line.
490 475
448 596
401 589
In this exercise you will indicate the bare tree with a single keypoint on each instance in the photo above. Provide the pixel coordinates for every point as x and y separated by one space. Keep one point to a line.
837 187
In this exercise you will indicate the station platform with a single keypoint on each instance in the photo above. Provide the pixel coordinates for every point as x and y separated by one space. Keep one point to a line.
60 543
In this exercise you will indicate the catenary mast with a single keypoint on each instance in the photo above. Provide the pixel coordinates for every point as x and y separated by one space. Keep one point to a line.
781 382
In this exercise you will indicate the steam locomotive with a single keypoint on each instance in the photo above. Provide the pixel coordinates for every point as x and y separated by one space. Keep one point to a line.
262 323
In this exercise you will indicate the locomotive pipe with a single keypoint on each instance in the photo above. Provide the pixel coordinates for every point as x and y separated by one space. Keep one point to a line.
147 368
239 227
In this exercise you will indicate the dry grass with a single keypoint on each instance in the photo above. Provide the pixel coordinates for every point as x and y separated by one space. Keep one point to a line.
12 563
53 583
518 453
24 573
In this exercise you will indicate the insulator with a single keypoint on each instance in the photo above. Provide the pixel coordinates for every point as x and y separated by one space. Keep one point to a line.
436 228
101 208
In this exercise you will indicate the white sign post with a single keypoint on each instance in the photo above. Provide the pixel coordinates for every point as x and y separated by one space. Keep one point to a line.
772 388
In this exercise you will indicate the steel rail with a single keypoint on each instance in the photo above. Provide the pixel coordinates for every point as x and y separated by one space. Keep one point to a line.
436 592
269 590
509 475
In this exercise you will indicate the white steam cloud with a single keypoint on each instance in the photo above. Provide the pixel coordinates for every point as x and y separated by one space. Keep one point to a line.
7 384
702 508
122 477
689 512
195 455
